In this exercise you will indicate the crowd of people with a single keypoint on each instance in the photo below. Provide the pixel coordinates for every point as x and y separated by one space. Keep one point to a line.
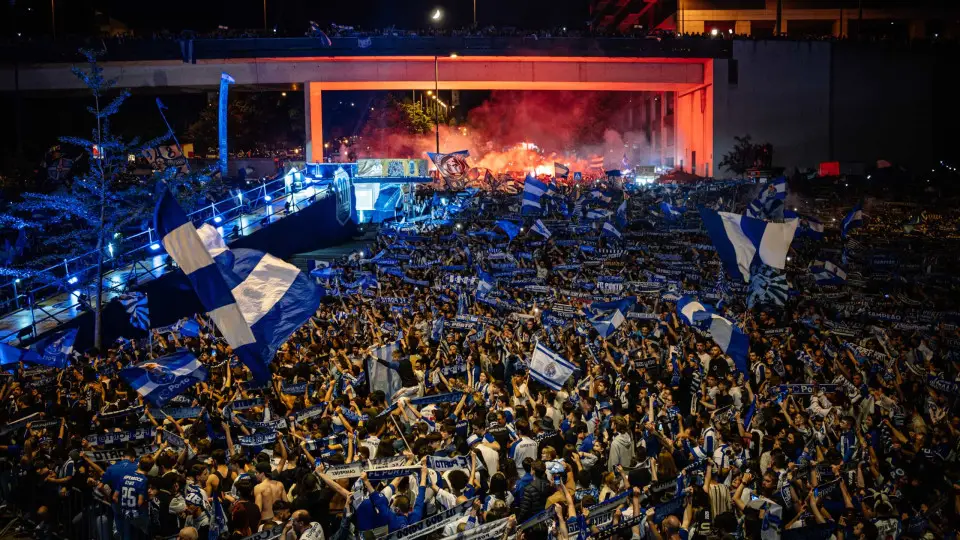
413 405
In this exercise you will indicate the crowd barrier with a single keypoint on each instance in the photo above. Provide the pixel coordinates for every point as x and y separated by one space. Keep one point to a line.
68 513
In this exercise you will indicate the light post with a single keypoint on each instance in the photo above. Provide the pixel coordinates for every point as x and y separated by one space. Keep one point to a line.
436 18
436 91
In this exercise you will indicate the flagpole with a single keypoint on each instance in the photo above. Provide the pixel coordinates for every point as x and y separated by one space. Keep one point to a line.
161 107
400 431
436 93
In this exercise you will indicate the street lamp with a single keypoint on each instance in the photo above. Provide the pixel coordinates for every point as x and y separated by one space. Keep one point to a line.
436 89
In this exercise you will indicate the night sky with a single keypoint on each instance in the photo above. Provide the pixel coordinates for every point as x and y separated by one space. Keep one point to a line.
292 16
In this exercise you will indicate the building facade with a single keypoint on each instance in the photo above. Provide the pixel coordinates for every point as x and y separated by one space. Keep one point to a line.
876 19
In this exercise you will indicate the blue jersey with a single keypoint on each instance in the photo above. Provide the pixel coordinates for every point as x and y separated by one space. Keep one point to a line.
133 486
115 473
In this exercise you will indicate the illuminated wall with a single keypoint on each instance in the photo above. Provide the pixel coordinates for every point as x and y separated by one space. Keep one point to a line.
694 127
506 73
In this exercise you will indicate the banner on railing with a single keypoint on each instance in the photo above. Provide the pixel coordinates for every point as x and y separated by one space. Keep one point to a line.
395 168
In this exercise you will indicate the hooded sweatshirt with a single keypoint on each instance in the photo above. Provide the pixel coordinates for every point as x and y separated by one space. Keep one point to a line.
621 452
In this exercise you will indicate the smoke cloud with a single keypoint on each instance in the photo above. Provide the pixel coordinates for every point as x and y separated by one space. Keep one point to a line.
529 131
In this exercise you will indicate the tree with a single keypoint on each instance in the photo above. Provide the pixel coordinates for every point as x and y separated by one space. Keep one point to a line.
253 119
415 119
746 155
89 215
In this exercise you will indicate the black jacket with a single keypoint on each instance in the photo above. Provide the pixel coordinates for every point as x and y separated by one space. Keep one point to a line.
534 498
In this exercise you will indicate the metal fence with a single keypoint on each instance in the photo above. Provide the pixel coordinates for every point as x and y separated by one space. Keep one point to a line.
140 258
74 514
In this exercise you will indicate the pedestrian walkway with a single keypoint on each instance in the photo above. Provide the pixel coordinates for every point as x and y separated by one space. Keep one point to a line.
56 309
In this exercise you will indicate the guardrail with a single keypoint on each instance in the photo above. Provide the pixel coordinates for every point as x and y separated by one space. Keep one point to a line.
234 217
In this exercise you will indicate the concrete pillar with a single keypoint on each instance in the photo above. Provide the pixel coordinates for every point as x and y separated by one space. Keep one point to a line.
650 107
918 29
841 26
313 113
663 128
742 28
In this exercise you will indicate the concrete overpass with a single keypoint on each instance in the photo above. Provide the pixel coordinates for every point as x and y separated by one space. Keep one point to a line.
813 101
393 63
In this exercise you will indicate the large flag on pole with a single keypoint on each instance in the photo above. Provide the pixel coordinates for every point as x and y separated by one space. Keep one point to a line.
827 273
741 241
510 228
727 336
533 191
10 355
382 377
452 166
853 220
162 379
606 317
256 300
549 368
137 307
560 170
769 202
811 227
54 351
541 229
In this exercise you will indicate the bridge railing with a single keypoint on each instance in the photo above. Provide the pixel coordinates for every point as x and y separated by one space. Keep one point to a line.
141 258
190 50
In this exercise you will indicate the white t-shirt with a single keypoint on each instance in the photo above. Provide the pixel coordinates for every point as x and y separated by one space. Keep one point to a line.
315 532
491 459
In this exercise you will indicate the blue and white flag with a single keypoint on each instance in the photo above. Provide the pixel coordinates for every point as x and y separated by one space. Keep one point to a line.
560 170
256 300
727 336
606 317
161 379
541 229
549 368
828 273
218 520
622 215
382 377
810 227
597 194
533 191
55 350
11 355
767 286
853 220
136 305
742 241
485 283
509 227
769 202
610 231
598 214
671 212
